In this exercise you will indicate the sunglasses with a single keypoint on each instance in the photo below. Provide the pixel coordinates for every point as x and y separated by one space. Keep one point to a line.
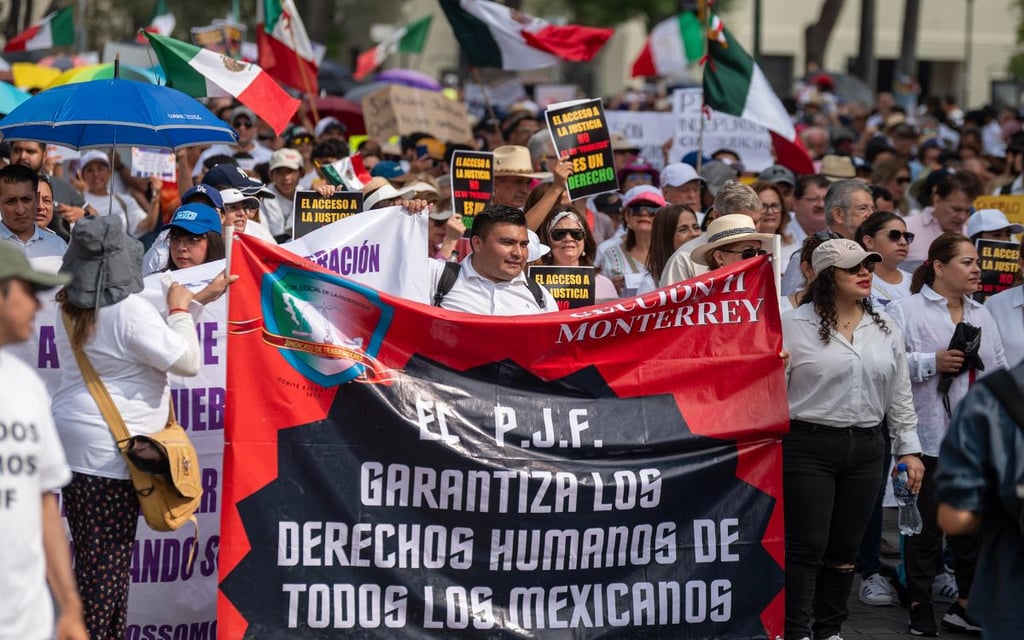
559 234
896 234
854 270
242 124
902 180
643 211
303 140
826 235
747 253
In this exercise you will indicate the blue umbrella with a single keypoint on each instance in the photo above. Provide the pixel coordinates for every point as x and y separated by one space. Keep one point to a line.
102 113
11 97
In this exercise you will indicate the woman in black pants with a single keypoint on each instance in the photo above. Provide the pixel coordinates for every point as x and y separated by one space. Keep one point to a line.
847 371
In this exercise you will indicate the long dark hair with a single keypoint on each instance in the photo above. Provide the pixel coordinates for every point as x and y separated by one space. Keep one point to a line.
663 231
873 224
214 248
944 248
821 292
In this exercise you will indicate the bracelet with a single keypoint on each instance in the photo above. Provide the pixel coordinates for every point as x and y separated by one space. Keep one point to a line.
177 310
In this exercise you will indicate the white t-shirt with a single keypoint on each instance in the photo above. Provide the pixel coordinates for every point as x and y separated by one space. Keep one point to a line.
32 463
882 292
277 212
132 350
121 205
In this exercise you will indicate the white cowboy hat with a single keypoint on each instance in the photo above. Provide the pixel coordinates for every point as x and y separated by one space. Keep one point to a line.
514 160
728 229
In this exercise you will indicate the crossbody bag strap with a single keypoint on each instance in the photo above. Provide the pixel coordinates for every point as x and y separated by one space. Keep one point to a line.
98 390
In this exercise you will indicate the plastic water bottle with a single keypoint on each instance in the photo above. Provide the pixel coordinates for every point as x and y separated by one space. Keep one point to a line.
910 517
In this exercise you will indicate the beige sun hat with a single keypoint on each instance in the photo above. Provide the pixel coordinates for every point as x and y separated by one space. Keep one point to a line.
514 160
735 227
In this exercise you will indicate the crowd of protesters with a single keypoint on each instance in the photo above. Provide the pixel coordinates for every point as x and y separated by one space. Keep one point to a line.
879 270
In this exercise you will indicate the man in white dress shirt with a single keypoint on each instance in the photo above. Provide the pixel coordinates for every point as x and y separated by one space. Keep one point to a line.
491 280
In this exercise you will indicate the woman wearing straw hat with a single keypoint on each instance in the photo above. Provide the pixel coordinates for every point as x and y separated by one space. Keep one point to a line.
731 238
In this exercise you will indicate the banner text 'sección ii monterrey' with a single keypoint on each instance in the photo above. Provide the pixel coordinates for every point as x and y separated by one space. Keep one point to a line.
401 471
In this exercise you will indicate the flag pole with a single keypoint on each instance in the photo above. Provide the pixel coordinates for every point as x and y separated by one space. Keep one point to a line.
487 99
702 17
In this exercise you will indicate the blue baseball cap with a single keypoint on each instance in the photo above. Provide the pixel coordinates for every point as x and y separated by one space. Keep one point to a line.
387 169
203 191
196 218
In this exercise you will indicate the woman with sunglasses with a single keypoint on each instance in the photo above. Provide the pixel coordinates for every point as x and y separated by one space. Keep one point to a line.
625 262
886 234
942 287
894 175
572 245
847 371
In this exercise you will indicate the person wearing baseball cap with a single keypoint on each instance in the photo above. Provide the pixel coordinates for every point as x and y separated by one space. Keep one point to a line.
847 379
27 558
784 179
243 212
681 184
285 171
195 236
625 261
156 258
991 224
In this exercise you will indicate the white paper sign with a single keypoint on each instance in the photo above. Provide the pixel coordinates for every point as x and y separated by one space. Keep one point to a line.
154 162
752 142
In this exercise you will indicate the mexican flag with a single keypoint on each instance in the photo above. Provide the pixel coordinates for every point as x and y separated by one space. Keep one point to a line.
672 47
734 84
408 39
285 51
161 22
203 73
495 36
54 30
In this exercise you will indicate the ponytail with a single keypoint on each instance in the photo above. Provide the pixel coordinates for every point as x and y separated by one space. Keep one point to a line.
923 275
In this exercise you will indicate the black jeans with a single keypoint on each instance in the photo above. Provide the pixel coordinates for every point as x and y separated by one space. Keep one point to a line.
830 481
922 552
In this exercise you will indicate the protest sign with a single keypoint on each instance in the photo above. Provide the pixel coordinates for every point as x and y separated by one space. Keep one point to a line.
752 142
313 210
1012 206
648 130
999 266
580 134
398 110
571 287
154 162
422 473
170 598
472 175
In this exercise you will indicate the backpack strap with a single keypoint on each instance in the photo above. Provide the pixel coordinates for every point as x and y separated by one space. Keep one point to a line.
1005 388
538 293
448 278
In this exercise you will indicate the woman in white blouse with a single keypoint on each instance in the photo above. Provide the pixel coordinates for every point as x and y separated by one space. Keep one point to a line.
942 288
1007 309
847 372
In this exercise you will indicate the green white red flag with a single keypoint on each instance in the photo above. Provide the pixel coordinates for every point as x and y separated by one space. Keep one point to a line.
408 39
203 73
285 51
54 30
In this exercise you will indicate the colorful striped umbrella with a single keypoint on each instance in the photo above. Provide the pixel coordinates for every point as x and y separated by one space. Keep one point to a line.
105 72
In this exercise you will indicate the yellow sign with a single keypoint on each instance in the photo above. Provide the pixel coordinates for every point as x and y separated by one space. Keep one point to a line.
1012 206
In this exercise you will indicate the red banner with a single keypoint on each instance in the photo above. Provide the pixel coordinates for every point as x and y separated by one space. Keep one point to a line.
397 470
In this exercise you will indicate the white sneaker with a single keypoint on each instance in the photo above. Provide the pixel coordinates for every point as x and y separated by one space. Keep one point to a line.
876 591
944 588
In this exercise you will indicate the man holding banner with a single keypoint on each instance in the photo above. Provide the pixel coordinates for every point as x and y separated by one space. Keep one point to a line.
491 281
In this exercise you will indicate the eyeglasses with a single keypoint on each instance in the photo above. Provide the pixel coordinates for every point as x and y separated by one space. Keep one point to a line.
896 234
242 124
902 180
559 234
773 206
747 253
855 269
642 211
187 239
